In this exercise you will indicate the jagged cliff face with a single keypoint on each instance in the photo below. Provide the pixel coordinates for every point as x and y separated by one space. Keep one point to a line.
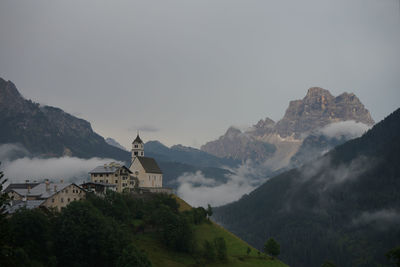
48 131
239 146
283 138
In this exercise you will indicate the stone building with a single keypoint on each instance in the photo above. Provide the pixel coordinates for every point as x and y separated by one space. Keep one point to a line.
114 174
47 194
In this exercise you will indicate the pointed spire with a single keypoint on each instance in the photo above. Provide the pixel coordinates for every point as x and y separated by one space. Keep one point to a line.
137 139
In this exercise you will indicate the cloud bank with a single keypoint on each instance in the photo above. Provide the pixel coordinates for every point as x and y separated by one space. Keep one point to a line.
199 190
70 169
348 129
380 218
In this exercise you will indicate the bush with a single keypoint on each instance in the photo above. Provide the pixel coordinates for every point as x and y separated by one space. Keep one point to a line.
220 246
209 251
132 257
272 247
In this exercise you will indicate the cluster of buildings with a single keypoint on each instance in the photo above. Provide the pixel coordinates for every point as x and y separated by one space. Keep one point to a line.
143 176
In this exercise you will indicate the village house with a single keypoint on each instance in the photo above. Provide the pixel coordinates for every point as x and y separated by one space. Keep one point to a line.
47 194
113 174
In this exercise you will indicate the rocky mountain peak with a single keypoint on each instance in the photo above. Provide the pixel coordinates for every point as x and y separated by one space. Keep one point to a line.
232 132
317 92
48 131
317 109
9 95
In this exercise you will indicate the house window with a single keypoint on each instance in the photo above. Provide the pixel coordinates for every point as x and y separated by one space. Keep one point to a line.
116 181
95 181
68 200
66 191
136 146
62 200
74 199
52 200
101 175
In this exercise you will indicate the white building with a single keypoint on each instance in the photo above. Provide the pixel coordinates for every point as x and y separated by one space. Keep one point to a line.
145 169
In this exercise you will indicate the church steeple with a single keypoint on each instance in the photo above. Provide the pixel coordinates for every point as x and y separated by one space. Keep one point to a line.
137 147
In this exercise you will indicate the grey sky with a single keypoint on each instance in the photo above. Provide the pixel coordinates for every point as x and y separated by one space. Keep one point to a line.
184 71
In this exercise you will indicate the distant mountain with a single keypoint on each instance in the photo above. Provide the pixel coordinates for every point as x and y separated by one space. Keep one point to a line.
48 131
113 142
186 155
274 143
343 207
178 160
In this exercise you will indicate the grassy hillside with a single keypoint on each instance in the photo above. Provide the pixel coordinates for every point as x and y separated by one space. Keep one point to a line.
121 230
160 255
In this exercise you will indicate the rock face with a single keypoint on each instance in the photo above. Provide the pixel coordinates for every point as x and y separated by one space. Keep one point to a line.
318 109
274 144
343 206
49 131
240 146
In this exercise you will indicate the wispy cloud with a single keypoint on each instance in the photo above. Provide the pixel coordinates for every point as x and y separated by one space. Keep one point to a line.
31 168
199 190
143 128
380 218
348 129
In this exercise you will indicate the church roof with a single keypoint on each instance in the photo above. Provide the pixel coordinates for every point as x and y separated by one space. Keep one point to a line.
137 140
149 165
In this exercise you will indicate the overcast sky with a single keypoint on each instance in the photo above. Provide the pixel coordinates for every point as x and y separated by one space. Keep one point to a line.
184 71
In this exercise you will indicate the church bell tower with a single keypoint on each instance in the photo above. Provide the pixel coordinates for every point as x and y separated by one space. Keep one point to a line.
137 147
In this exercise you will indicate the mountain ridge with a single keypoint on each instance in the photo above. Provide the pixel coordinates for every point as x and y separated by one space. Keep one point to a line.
344 206
268 142
49 131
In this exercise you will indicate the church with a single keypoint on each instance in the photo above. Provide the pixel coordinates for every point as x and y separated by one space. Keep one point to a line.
145 169
143 173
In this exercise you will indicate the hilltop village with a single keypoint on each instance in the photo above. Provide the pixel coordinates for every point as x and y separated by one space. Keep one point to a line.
143 176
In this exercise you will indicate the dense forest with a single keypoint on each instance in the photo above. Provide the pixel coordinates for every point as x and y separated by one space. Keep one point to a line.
343 207
99 232
121 230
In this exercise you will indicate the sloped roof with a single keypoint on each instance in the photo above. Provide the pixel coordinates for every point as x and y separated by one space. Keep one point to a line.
108 169
29 204
19 186
149 165
137 140
40 191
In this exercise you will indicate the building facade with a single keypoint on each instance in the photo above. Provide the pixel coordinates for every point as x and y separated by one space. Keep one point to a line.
114 174
145 169
47 194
